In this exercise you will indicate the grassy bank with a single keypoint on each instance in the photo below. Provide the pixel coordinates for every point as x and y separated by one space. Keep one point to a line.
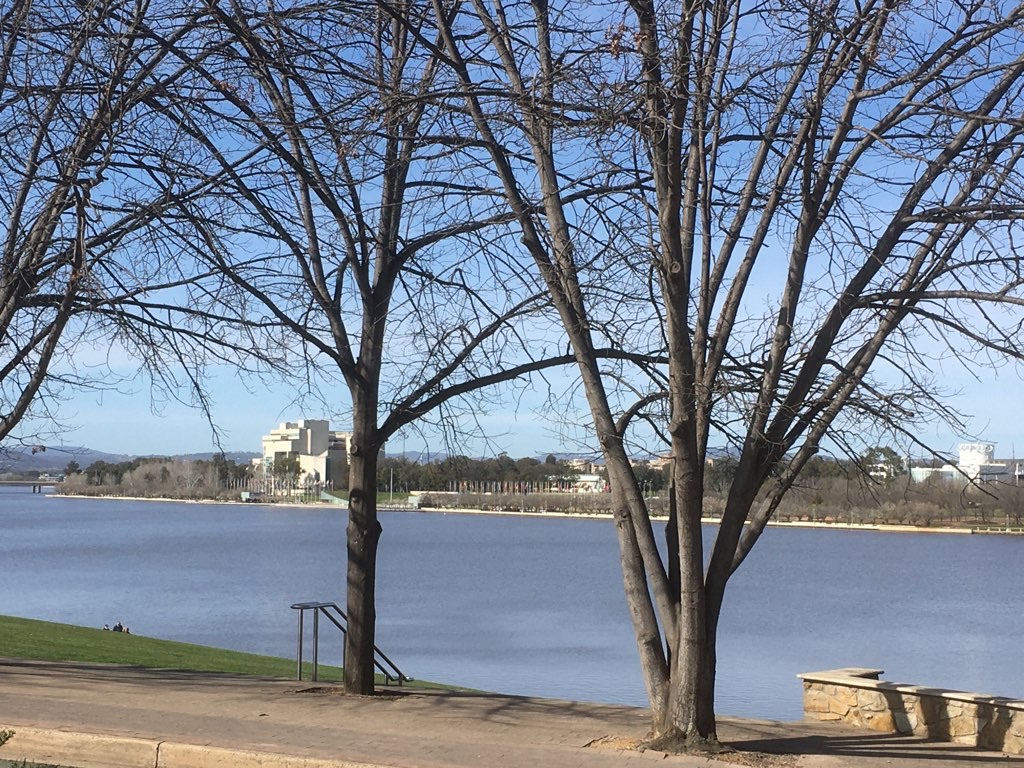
47 641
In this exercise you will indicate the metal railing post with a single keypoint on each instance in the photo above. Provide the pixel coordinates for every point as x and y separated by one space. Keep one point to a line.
381 661
316 640
298 655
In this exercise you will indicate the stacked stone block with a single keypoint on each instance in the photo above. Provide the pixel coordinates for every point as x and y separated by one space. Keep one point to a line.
857 697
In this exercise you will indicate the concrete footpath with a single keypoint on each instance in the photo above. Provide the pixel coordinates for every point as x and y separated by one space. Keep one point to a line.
101 716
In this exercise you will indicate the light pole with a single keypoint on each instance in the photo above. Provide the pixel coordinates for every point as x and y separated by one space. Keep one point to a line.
391 486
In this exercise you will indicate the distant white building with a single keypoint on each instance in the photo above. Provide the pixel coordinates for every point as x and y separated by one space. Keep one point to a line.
589 484
586 466
978 464
661 461
322 454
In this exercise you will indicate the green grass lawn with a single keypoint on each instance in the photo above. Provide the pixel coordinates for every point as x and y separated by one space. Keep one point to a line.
46 641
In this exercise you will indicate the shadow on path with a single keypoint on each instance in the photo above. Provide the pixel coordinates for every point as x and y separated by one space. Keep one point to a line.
879 746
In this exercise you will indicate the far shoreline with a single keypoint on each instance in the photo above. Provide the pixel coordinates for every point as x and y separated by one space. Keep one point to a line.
882 528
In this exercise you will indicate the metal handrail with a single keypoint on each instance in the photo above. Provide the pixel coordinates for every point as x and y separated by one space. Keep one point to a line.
384 665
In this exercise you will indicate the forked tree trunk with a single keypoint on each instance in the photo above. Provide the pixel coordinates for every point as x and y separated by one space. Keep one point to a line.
687 722
363 536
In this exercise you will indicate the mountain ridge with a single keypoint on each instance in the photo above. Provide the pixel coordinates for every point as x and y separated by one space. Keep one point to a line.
56 458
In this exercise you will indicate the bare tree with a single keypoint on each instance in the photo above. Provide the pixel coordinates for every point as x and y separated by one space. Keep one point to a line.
833 208
82 256
350 212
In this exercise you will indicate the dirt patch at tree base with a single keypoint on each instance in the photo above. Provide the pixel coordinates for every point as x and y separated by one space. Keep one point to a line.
726 754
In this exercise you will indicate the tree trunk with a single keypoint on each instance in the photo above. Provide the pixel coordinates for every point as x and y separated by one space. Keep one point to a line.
363 536
688 722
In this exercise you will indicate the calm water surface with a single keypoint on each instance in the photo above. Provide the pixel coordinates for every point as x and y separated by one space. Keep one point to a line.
520 605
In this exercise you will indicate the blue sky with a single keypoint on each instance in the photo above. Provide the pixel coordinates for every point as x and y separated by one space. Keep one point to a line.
130 422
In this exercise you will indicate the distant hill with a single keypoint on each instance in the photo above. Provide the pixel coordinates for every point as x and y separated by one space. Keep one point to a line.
239 457
56 458
53 458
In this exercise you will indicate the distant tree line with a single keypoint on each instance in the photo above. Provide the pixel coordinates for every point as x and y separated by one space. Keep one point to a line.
159 477
192 477
831 491
450 472
898 501
831 495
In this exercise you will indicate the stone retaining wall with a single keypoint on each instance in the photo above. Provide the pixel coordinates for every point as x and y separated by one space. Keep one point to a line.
856 696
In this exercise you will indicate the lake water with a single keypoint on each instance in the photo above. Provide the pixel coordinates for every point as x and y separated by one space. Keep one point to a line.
520 605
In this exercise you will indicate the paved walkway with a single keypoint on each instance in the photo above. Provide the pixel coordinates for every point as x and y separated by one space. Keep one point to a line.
100 716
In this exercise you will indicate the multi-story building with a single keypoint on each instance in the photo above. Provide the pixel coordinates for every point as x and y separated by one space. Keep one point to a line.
585 466
977 464
322 455
661 461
